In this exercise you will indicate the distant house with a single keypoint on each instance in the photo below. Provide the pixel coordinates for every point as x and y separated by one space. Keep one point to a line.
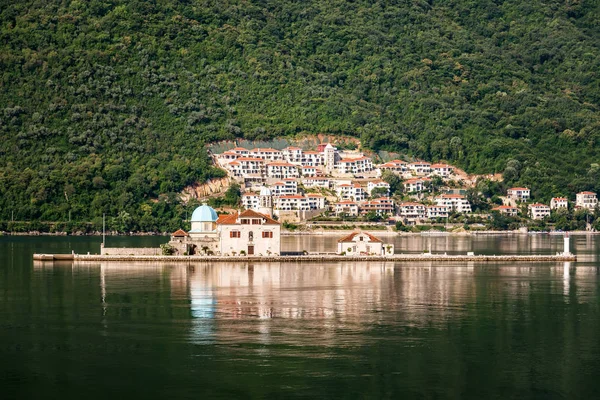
378 183
309 171
420 168
416 185
559 202
349 208
519 194
538 211
586 200
381 206
396 166
443 170
281 170
507 210
412 212
355 165
456 202
363 243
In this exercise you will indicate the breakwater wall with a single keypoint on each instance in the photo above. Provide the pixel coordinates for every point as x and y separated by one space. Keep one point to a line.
130 251
307 258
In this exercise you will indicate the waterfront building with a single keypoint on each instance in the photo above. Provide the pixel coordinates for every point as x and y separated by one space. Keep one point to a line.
559 202
363 243
519 194
455 202
507 210
586 200
298 202
412 212
538 211
438 211
249 232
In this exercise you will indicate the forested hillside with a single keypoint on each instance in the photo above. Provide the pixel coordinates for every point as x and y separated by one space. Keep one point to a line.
105 106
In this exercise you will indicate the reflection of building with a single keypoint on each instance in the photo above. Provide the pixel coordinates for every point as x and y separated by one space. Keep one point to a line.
363 243
249 232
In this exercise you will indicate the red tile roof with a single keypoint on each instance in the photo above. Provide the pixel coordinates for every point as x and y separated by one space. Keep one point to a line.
353 234
179 233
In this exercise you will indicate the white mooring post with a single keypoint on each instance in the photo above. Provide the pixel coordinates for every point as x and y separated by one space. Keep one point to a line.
567 248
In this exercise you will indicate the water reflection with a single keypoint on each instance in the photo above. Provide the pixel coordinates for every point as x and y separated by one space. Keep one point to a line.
333 302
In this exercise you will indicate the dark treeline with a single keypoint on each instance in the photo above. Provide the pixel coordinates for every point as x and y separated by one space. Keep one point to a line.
106 106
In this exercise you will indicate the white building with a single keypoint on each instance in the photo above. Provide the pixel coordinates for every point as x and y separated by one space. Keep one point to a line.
250 201
586 200
378 183
519 194
299 202
313 159
347 207
412 212
312 182
354 165
286 187
363 243
438 212
538 211
416 185
246 166
282 170
352 191
267 154
261 202
443 170
559 202
420 168
249 232
455 202
382 206
293 154
396 166
309 171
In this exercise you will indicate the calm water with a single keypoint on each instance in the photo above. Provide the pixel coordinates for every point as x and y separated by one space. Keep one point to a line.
346 330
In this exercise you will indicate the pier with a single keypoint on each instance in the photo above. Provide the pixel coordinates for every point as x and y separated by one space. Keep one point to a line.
321 258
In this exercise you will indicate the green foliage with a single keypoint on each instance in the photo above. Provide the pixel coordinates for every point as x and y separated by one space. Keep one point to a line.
107 106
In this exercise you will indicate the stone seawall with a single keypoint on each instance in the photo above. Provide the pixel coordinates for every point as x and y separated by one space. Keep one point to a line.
129 251
311 258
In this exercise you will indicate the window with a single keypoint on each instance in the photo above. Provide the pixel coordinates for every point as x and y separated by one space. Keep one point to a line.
267 234
256 222
245 222
250 236
234 234
361 238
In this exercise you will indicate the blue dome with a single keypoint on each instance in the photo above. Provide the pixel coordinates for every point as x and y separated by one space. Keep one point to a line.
204 213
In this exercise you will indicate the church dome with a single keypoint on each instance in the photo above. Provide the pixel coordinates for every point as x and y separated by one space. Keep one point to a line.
204 213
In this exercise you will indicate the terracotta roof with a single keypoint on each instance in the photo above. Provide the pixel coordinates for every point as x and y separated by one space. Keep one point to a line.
441 166
293 148
281 164
351 160
314 195
292 196
519 188
586 193
250 159
234 163
346 202
538 205
419 163
266 150
232 218
179 233
504 208
353 234
289 179
453 196
306 167
559 198
415 180
240 149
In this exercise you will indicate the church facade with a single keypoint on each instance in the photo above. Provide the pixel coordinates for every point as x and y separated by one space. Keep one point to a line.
245 233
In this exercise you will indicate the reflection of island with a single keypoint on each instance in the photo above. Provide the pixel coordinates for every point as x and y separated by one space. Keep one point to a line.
258 303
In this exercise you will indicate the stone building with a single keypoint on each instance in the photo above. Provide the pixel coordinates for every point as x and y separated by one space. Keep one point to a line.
363 243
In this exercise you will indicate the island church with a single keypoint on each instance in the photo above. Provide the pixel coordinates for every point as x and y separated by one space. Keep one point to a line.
249 232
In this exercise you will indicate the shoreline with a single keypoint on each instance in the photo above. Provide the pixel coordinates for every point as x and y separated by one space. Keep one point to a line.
333 232
320 258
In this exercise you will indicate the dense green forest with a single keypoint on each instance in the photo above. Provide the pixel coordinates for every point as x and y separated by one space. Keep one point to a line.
106 106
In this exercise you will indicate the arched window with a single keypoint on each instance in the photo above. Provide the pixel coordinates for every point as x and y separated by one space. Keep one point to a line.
250 236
